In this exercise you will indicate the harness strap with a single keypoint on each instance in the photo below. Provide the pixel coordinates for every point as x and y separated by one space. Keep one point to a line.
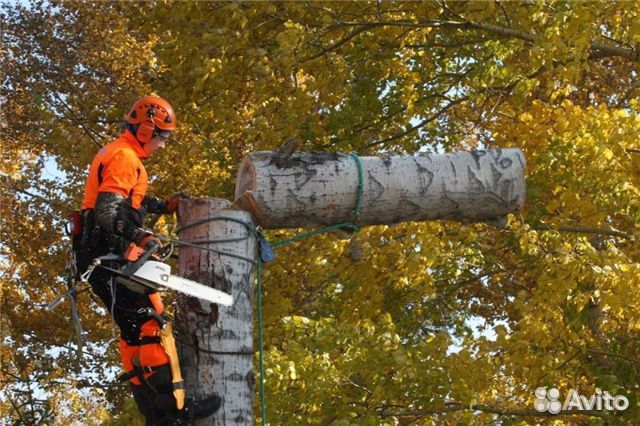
147 340
139 372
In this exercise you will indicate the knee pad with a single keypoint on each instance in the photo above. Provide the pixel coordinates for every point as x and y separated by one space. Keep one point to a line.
127 354
152 353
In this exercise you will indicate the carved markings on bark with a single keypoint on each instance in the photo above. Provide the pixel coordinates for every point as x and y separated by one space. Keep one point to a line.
310 189
224 334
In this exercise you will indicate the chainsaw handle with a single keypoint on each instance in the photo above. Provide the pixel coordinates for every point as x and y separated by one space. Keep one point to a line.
162 323
133 267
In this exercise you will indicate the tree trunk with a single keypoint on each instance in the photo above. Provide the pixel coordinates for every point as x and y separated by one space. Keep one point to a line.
216 342
310 189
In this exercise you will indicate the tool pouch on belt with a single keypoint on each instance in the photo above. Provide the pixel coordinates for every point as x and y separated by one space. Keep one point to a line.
74 228
81 233
169 344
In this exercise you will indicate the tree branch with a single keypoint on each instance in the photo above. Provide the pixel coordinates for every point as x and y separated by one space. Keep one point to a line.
77 120
452 44
567 361
519 412
615 355
51 203
385 118
337 44
584 230
598 49
504 13
417 126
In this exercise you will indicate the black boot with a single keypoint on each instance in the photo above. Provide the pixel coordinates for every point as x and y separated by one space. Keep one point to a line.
156 402
206 407
200 409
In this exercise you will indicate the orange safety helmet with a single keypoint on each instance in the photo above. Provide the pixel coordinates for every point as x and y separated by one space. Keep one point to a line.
151 114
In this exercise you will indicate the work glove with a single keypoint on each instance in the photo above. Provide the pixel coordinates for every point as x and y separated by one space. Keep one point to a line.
147 241
171 205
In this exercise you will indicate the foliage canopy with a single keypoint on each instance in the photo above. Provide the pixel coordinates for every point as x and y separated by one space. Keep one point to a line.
381 329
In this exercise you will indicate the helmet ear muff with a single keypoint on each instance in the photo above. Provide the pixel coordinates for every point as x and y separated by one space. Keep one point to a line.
145 132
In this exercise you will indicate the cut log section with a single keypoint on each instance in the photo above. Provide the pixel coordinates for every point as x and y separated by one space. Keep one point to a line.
314 189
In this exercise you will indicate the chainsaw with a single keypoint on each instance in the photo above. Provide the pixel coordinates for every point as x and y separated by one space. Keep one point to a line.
144 273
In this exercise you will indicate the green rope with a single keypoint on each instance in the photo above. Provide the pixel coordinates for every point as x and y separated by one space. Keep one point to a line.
247 226
323 230
198 243
350 225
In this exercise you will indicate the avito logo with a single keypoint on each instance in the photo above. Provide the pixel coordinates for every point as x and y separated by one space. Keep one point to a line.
548 400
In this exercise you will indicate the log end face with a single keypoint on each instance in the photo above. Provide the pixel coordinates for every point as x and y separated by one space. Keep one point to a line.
245 185
246 180
247 202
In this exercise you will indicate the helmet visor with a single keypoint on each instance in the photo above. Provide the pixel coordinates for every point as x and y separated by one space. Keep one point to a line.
162 133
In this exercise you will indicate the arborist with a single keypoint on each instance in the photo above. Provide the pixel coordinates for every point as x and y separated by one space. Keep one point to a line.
114 207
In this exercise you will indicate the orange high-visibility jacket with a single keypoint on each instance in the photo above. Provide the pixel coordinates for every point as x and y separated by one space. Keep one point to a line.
117 168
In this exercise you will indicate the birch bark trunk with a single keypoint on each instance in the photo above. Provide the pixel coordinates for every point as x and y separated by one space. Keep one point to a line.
310 189
216 342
